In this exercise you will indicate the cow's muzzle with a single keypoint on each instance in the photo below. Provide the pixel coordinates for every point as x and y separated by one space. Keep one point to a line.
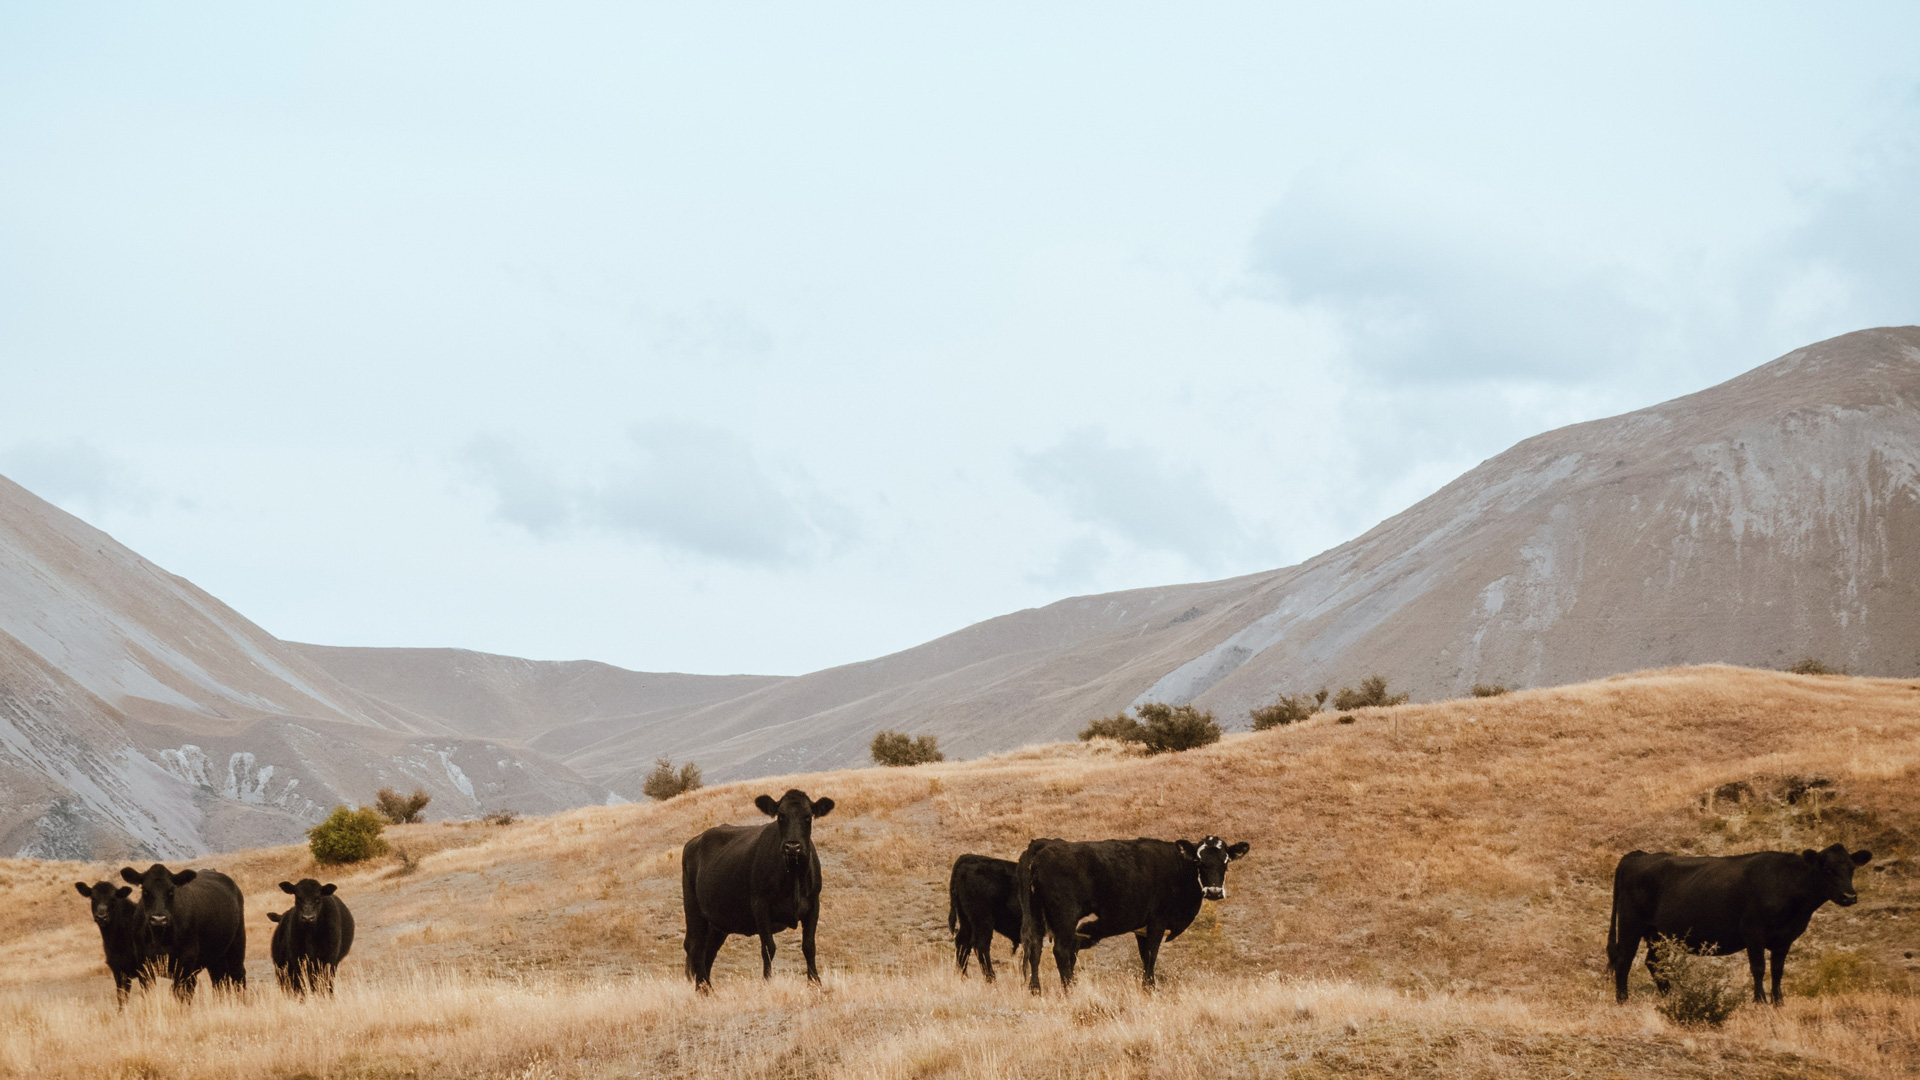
1213 892
792 850
1848 900
157 920
306 918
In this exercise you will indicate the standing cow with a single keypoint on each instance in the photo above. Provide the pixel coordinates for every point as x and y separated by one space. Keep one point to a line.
745 879
1149 888
982 899
195 919
312 938
1721 905
119 921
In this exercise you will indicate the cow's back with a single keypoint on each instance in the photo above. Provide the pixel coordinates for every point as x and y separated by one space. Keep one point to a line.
1702 898
210 915
1123 882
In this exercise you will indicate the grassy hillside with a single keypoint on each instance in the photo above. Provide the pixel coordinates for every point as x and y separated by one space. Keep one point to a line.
1427 891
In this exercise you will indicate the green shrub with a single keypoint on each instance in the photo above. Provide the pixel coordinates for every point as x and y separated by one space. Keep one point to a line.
1838 972
1481 689
400 809
1371 695
1160 728
347 836
1697 992
1810 666
899 748
1287 709
664 782
501 817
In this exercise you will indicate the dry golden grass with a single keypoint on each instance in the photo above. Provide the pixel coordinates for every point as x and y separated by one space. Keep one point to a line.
1432 881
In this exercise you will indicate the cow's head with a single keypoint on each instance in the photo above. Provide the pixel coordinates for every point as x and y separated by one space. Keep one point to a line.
1835 868
794 814
306 898
1210 858
156 895
106 896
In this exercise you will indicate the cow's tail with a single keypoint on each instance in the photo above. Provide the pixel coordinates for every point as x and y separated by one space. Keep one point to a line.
953 912
1613 919
1032 930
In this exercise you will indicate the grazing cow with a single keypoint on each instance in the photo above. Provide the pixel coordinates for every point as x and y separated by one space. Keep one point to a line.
746 879
318 932
982 899
1149 888
1721 905
119 921
195 919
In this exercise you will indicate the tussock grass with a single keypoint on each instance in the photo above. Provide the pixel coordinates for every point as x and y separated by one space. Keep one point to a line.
1449 863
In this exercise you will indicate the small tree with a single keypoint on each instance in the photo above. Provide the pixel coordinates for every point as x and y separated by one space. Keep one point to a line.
664 782
1481 689
1287 709
1697 994
347 836
1371 695
1161 728
400 809
899 748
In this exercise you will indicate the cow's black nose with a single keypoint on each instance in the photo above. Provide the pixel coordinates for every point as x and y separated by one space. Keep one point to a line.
1849 900
792 847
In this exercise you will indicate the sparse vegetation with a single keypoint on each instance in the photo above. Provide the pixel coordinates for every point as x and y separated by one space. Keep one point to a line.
664 782
1698 994
900 749
1159 728
501 817
347 836
1372 694
1811 666
1288 709
1481 689
400 809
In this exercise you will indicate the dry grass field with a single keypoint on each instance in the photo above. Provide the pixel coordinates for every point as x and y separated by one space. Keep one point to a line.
1426 895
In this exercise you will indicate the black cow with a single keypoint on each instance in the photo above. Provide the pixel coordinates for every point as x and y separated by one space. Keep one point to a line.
1148 888
982 899
1721 905
119 921
312 938
745 879
195 919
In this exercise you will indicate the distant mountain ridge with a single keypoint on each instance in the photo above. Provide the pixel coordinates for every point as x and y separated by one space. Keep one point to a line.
1774 516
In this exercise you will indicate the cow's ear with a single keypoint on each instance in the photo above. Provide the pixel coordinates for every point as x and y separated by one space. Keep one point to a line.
1187 851
1811 856
185 876
1862 858
129 875
1239 849
122 892
85 889
822 807
767 805
273 916
327 889
286 886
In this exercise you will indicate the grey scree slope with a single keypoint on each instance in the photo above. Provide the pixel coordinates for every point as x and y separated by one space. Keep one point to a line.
1774 516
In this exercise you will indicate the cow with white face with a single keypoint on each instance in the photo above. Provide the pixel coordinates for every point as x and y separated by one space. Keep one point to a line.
1080 893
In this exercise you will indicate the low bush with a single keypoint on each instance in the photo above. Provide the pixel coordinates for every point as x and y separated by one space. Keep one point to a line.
347 836
1287 709
400 809
664 782
1810 666
1697 992
501 817
1372 694
1160 728
899 748
1481 689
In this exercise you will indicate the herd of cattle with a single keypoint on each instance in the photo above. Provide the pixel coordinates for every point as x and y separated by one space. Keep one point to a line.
758 880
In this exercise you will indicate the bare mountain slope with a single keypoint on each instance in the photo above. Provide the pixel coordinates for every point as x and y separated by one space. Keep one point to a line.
1774 516
140 715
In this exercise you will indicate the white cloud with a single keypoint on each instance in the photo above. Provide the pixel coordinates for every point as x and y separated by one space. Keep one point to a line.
76 474
1130 492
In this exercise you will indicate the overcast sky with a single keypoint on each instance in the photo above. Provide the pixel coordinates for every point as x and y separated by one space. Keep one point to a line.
766 338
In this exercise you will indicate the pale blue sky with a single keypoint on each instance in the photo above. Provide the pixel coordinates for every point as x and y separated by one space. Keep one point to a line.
749 338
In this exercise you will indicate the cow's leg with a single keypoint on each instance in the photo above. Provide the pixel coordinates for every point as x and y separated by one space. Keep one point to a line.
962 944
707 948
694 944
183 979
1149 942
1624 952
122 986
1779 967
807 923
983 945
1654 953
1757 965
